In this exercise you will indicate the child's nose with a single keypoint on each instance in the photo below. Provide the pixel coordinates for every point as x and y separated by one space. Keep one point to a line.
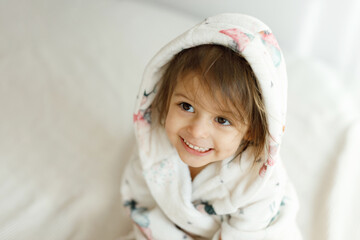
199 128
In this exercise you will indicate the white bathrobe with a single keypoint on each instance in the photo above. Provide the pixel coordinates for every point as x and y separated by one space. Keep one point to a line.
229 198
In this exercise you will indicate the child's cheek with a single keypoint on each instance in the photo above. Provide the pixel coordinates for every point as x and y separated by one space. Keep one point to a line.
170 128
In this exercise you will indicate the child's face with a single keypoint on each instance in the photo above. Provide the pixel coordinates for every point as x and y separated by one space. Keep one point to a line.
197 128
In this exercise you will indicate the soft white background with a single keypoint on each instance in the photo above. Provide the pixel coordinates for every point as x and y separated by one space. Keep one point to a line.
325 29
69 73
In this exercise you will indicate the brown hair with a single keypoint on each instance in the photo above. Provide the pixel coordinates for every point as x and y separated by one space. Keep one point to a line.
223 71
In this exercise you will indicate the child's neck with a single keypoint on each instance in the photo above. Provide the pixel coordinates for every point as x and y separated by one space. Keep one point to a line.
195 171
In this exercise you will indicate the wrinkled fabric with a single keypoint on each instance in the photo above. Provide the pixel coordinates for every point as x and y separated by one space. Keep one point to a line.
231 198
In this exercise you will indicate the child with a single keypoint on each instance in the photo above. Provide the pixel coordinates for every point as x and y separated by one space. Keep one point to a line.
209 120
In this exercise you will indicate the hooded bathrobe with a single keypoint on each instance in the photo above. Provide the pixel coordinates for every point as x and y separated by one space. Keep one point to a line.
232 198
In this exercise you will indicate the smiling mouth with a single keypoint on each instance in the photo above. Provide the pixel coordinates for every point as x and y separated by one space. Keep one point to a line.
196 148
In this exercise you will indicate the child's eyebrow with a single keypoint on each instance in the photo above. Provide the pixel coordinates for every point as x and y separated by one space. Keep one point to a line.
181 95
226 113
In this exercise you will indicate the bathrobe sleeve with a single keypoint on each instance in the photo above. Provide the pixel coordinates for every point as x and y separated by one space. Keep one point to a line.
270 217
149 222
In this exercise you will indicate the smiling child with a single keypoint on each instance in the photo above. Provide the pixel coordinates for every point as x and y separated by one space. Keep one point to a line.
209 121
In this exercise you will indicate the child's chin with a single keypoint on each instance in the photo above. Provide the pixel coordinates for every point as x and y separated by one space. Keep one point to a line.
195 165
192 163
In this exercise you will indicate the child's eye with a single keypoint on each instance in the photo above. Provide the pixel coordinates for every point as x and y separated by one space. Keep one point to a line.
186 107
222 121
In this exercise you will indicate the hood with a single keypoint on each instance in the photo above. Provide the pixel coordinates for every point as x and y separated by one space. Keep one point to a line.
256 43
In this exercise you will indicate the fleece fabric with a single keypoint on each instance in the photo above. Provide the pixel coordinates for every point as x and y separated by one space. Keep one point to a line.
229 198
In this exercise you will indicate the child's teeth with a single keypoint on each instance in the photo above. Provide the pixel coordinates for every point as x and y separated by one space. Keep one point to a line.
200 149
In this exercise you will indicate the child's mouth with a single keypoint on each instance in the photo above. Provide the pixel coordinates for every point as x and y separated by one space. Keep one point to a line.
200 151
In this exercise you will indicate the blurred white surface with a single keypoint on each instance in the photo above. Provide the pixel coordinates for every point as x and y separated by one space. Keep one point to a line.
328 30
69 73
